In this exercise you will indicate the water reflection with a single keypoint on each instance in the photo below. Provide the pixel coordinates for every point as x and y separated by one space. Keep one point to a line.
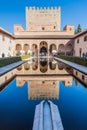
52 64
43 63
26 66
46 86
77 74
43 90
43 87
41 66
44 79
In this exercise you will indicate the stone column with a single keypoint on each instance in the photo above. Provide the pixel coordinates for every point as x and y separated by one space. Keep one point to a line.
48 48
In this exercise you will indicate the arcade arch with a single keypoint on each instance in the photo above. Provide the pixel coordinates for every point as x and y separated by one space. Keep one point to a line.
34 49
61 49
18 49
26 48
43 48
69 49
52 47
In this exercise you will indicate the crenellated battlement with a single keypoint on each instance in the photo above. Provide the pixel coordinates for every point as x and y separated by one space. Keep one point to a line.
42 8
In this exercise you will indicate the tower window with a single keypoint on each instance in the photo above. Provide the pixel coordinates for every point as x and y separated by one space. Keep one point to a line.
77 40
54 27
3 38
70 29
43 28
17 29
85 38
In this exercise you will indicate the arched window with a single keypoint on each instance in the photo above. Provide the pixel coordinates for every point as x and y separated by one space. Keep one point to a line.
3 38
61 49
85 38
52 47
77 40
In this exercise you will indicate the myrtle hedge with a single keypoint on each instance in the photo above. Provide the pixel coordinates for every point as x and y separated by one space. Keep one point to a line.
78 60
10 60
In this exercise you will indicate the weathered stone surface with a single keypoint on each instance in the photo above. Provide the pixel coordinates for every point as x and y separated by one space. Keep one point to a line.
47 116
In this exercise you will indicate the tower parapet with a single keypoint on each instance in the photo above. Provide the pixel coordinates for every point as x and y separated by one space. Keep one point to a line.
69 29
43 8
18 28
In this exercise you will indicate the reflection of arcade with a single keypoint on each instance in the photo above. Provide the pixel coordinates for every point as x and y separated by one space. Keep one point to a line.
52 64
35 64
41 67
26 66
45 86
61 66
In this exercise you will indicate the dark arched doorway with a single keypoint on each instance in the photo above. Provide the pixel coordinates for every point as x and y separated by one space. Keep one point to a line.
43 48
43 51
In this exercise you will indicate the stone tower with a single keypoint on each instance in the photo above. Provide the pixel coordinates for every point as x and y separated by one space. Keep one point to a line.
43 19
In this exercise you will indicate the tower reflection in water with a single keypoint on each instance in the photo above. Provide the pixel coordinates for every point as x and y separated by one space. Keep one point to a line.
43 77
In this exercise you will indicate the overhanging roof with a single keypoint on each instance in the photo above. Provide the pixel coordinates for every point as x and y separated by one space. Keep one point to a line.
80 34
6 32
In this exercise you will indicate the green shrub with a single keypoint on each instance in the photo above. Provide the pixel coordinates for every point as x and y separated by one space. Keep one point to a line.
78 60
10 60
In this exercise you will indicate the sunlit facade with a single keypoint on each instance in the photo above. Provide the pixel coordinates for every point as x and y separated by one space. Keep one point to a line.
42 35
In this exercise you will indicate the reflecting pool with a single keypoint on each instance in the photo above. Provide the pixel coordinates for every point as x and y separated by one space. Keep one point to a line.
40 79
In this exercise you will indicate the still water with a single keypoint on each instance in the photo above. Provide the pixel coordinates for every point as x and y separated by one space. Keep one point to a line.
40 79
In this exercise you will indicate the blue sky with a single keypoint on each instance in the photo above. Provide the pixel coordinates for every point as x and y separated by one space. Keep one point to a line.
72 12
